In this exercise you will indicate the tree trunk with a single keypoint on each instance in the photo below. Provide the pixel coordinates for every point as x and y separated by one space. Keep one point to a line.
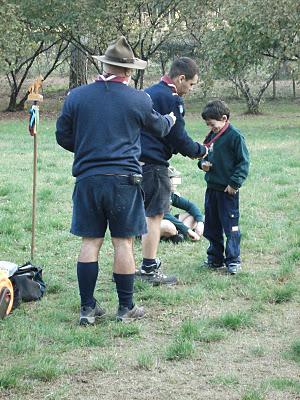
162 64
142 79
12 106
253 102
21 105
274 88
237 91
253 106
294 84
14 91
136 78
78 68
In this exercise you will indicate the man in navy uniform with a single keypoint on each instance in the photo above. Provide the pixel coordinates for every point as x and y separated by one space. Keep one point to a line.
156 151
101 124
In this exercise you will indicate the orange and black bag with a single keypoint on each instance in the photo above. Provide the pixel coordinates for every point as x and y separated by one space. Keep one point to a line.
6 294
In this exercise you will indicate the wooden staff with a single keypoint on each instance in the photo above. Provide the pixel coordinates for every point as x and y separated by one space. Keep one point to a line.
34 96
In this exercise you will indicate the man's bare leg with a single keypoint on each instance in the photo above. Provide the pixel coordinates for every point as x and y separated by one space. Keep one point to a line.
150 240
123 258
90 248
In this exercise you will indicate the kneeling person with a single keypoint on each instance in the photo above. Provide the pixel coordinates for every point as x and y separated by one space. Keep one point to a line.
179 227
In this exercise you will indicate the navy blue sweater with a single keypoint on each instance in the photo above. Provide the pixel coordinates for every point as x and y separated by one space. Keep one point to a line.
156 150
101 123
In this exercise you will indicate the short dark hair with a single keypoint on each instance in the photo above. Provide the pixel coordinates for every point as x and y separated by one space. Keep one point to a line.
184 66
215 109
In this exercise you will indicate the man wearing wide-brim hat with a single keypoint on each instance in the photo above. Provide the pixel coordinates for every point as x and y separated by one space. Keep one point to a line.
101 124
120 54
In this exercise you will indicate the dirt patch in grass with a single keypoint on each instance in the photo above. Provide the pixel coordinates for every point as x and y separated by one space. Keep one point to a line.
245 360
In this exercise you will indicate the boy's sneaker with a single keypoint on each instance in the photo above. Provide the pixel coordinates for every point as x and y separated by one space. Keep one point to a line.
233 268
88 315
153 275
212 265
157 278
144 269
124 314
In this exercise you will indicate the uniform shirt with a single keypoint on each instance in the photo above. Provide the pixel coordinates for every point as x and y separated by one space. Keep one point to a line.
230 160
157 150
101 123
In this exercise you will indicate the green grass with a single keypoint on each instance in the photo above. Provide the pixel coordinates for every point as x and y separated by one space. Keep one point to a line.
294 351
180 349
103 363
186 325
145 361
258 351
282 294
225 380
253 395
285 384
232 321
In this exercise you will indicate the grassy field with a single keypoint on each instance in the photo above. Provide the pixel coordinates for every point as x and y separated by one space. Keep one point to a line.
213 336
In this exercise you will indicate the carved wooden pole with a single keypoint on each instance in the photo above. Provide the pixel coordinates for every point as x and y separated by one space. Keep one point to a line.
33 127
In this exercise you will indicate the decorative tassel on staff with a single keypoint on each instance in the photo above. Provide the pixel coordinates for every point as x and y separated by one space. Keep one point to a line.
34 96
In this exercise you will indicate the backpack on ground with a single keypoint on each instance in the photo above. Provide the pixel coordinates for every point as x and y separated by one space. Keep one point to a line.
6 294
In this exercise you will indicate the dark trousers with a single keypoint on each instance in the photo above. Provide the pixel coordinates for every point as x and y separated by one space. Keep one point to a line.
222 216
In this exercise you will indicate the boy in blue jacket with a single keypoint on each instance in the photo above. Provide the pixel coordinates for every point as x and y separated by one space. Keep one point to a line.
187 224
226 168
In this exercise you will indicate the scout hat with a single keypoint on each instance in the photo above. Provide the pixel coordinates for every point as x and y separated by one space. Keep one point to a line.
120 53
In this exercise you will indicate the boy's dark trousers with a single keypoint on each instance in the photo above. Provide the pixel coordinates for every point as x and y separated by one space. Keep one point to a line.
222 215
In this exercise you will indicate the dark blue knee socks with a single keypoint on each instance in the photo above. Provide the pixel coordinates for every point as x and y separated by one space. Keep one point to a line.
87 274
124 285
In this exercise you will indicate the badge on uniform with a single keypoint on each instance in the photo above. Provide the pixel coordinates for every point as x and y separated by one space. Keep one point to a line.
211 148
180 108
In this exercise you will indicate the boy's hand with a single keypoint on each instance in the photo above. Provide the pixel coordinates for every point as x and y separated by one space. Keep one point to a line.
193 235
230 190
205 165
199 228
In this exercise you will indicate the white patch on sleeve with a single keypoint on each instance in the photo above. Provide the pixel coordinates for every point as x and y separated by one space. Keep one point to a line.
235 229
180 108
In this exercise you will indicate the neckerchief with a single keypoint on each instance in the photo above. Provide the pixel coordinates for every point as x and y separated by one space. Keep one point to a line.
208 144
112 78
166 79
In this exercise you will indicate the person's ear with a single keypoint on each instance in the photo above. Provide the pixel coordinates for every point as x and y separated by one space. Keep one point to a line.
181 78
224 118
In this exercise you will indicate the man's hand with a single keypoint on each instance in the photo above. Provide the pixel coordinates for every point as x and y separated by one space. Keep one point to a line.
199 229
172 115
230 190
205 165
193 235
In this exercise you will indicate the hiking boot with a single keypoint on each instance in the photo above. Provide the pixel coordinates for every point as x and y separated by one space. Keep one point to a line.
126 315
211 265
88 315
153 275
149 268
157 278
233 268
